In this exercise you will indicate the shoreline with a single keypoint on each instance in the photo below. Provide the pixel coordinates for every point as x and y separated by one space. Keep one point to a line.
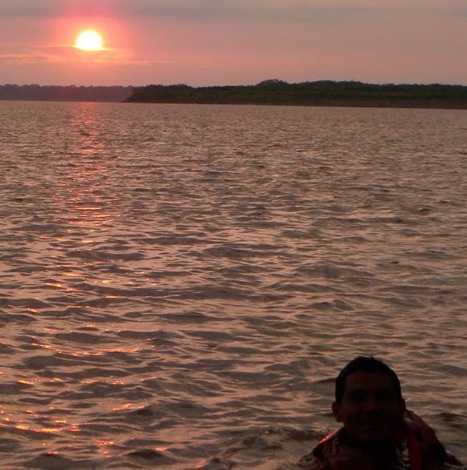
321 93
329 104
268 93
388 104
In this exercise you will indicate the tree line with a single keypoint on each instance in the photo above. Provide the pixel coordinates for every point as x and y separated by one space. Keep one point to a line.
64 93
324 92
267 92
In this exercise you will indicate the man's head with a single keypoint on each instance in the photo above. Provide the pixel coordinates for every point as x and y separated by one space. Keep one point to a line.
368 400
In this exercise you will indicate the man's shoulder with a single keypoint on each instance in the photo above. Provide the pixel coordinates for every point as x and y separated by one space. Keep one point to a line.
325 451
420 432
420 440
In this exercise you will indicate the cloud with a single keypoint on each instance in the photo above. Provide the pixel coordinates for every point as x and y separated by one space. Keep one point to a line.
245 9
27 9
281 9
226 9
22 58
195 9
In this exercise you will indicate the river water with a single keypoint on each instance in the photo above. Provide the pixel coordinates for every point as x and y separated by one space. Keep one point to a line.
180 284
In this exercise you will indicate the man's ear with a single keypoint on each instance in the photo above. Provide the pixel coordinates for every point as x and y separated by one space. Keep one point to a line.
336 408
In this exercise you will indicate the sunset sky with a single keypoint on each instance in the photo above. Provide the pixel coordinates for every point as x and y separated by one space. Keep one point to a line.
233 42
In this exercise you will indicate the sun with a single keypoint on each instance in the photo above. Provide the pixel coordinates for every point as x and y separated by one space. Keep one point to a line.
89 40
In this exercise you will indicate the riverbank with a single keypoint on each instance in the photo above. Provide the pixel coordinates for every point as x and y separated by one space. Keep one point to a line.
65 93
268 92
321 93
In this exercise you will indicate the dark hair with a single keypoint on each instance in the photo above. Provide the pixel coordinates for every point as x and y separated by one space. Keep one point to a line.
366 364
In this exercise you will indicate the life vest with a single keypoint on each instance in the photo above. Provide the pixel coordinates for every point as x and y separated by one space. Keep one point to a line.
425 450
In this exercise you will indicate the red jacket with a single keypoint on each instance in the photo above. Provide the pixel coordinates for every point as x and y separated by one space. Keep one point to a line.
419 447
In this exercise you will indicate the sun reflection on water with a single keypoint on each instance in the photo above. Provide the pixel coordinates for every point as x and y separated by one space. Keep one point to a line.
85 197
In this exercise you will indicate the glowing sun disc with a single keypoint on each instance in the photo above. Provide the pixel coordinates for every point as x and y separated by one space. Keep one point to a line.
89 40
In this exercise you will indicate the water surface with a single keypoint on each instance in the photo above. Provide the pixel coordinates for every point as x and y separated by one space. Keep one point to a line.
180 284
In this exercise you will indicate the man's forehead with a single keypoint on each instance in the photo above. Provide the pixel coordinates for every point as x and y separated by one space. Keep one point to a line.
368 381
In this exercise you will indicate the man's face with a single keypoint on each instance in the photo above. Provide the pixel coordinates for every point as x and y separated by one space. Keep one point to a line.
370 409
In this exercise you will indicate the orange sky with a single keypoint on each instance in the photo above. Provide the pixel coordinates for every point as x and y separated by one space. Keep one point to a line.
218 42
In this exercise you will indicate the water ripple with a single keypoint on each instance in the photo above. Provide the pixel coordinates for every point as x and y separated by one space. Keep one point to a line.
180 284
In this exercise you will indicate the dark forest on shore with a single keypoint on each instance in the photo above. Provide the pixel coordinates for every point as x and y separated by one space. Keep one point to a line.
268 92
64 93
320 93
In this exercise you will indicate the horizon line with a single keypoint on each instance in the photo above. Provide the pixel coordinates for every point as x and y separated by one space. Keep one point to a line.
279 81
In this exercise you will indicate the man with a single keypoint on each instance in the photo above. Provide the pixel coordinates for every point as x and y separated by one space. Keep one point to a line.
378 432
